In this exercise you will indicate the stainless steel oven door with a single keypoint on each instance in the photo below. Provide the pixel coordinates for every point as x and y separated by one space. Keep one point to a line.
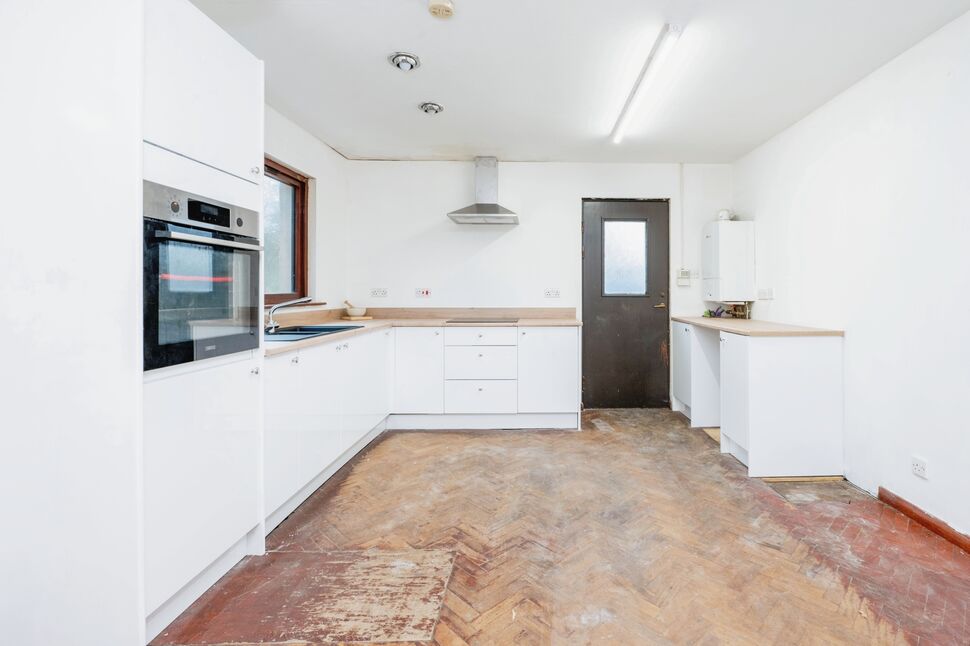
201 293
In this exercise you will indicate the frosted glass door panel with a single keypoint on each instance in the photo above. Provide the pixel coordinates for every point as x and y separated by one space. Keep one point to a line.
624 257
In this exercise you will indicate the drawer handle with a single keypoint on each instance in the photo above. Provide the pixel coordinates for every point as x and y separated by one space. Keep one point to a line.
480 355
295 359
480 335
481 389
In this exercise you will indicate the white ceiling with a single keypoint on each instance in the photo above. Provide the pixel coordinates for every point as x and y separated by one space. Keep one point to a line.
545 79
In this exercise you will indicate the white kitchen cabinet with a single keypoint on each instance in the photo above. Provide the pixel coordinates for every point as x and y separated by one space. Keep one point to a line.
321 400
734 390
480 362
202 436
321 407
728 262
283 427
782 404
203 91
489 335
680 361
480 396
362 362
419 370
548 370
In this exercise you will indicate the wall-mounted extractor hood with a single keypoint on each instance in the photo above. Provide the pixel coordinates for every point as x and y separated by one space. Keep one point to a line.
486 209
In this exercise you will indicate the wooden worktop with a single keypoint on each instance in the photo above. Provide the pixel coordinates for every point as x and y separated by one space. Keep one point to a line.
749 327
558 317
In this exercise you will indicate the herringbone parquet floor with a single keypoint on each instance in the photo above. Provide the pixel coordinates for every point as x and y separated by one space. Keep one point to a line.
635 531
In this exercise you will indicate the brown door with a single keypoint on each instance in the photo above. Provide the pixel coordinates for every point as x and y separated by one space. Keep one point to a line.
626 278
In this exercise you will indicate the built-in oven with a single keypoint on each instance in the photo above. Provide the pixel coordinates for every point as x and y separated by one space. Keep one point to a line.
201 277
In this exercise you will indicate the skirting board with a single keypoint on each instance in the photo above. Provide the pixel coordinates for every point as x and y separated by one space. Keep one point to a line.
157 621
274 519
928 521
484 422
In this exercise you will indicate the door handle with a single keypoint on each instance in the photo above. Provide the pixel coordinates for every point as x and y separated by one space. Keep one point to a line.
660 306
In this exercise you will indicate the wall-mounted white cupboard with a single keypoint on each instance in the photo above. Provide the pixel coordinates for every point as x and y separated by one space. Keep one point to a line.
728 262
203 92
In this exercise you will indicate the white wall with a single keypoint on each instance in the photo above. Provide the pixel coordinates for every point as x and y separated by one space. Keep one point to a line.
289 144
70 311
862 212
400 238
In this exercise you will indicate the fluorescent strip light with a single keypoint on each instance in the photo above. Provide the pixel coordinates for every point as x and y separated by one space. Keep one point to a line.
662 47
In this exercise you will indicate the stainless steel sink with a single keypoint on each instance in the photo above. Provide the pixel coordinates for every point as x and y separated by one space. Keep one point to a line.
301 332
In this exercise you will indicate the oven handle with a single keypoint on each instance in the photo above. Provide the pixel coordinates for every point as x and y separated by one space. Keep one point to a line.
216 242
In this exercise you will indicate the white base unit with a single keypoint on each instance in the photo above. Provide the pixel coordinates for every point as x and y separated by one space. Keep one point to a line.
568 421
277 516
782 404
696 366
549 370
320 402
419 370
202 453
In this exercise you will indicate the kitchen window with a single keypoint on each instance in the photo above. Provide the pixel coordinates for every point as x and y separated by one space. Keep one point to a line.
285 241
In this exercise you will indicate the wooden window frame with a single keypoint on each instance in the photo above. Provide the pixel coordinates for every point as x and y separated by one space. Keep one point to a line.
301 184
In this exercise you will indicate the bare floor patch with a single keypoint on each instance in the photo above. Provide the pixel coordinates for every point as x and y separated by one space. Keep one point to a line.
822 491
337 596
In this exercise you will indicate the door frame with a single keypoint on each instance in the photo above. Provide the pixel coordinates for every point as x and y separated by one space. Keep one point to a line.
582 285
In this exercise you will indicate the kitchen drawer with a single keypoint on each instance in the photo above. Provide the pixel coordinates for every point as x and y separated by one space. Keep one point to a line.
481 396
481 362
480 336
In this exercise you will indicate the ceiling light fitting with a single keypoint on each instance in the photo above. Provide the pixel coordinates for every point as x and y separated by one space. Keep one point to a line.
662 47
404 61
430 108
441 8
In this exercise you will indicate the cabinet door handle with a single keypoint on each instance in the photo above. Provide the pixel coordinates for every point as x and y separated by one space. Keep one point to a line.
480 355
481 389
255 371
254 170
295 359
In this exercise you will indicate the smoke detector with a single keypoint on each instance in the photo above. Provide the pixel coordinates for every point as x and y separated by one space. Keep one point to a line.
441 8
404 61
430 108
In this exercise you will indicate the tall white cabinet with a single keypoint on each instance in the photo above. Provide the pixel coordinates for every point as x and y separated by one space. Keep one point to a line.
203 133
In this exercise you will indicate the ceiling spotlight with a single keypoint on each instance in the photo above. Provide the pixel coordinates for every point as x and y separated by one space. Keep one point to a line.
430 108
441 8
404 61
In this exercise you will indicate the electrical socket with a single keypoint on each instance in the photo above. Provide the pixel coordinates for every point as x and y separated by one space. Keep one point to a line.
918 466
378 292
551 292
422 292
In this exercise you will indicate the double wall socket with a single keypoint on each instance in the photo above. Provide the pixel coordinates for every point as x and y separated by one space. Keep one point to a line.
551 292
918 466
422 292
378 292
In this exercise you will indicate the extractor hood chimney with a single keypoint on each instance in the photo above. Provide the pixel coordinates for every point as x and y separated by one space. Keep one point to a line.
486 209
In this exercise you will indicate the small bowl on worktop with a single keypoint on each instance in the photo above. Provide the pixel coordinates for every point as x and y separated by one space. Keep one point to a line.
356 311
